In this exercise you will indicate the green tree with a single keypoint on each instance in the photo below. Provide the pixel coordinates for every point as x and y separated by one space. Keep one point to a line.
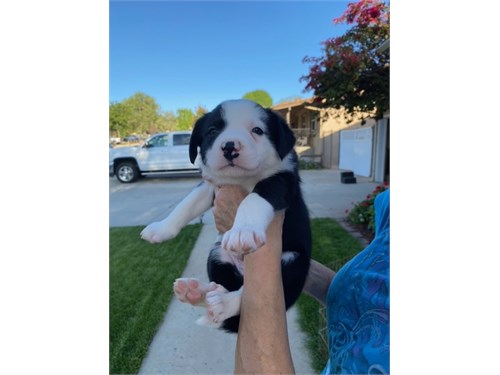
259 96
353 72
144 113
119 115
167 122
185 119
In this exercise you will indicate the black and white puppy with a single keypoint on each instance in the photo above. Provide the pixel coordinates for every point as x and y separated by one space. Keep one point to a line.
241 143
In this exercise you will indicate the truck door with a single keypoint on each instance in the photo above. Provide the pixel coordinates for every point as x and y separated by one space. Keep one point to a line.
154 154
179 152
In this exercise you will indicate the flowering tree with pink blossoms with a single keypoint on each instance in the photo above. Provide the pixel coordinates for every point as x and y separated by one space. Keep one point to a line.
353 72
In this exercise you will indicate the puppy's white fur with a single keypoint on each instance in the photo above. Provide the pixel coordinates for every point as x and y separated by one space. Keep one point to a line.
249 229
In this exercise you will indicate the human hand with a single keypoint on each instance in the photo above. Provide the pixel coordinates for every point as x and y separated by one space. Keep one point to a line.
226 203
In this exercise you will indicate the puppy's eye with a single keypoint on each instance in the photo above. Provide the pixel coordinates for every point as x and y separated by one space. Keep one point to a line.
212 131
257 130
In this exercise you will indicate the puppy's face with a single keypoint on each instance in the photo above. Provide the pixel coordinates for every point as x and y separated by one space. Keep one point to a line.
239 138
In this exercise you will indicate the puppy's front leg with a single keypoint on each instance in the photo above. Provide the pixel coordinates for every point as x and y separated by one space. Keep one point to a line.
257 211
196 202
249 229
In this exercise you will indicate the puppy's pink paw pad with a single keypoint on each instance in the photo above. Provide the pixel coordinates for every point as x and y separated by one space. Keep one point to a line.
192 290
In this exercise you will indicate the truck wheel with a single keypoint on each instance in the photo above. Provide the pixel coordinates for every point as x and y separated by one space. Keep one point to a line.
127 172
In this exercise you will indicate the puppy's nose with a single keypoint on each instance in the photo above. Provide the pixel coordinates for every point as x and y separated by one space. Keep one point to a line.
230 150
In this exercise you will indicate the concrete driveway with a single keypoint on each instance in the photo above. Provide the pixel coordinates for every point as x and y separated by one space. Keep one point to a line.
152 199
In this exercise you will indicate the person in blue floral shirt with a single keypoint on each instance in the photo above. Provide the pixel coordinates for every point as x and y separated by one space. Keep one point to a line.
358 305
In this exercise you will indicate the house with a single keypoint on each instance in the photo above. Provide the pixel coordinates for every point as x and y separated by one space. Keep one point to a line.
325 136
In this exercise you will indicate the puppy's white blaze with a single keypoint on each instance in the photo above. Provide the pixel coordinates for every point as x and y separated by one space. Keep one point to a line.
239 113
288 257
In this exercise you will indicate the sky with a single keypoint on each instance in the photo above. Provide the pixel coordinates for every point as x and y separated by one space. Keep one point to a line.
189 54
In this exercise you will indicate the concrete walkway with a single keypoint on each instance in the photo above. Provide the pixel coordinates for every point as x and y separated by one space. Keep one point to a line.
182 347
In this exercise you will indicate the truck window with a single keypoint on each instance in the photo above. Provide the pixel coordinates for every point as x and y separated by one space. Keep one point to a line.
160 141
181 139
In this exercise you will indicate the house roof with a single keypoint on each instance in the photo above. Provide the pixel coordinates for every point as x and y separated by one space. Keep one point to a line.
293 103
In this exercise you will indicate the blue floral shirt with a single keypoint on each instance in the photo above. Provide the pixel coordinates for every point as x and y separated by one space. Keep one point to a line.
358 305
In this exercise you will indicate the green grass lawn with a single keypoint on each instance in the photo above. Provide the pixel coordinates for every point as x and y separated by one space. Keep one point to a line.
333 247
141 277
140 288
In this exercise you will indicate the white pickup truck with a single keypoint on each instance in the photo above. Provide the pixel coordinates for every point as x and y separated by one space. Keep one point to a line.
162 153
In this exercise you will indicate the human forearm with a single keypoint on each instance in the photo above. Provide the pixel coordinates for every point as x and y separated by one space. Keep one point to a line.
262 345
318 281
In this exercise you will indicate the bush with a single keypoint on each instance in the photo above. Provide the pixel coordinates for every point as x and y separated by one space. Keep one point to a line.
363 213
309 164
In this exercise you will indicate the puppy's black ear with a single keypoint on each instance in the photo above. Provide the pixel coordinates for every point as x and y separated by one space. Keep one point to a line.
281 134
196 138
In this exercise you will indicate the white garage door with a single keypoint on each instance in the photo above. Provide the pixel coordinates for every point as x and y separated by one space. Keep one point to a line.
356 151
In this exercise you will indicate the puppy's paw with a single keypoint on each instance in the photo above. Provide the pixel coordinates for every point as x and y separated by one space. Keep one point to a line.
243 240
221 305
158 232
206 321
192 291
